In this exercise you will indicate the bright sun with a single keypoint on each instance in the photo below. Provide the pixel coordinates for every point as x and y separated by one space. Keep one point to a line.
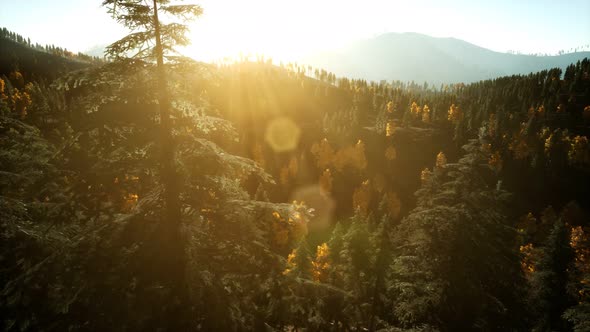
272 29
210 42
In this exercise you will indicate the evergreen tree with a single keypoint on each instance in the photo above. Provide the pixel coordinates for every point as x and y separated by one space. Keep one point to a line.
439 275
148 30
550 279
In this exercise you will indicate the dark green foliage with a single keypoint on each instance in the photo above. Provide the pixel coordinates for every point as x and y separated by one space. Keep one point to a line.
358 262
549 281
38 62
579 316
86 172
105 160
456 264
96 266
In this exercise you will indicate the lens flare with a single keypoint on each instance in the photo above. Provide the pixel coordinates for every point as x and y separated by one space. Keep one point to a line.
282 134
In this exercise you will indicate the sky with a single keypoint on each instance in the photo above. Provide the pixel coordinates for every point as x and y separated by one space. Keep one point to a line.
289 29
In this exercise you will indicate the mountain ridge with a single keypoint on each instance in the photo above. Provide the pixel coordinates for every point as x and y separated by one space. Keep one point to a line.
412 56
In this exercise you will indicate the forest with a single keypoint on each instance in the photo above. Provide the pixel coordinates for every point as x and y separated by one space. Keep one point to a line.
150 192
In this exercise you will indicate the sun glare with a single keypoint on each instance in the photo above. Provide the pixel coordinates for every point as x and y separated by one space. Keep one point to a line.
270 29
214 43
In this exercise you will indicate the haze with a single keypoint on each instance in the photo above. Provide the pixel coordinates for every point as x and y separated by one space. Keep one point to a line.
288 30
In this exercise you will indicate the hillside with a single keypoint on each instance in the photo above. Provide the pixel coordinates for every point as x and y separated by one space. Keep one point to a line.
18 56
149 195
420 58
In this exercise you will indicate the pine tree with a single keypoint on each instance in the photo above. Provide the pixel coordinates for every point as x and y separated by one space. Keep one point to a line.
144 21
549 282
438 276
110 249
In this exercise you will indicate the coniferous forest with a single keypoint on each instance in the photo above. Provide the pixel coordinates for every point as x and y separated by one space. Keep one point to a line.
150 192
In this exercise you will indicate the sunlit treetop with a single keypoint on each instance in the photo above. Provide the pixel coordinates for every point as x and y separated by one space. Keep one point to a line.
147 20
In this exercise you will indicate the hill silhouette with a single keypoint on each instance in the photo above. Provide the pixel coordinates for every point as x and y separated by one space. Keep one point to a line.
18 56
421 58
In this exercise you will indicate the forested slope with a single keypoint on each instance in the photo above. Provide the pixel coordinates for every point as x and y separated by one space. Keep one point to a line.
318 204
42 62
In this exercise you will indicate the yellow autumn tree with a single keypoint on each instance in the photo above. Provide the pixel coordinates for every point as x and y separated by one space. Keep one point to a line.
455 114
425 175
291 264
290 227
389 128
129 202
299 262
441 160
527 261
556 139
415 110
20 101
280 230
352 156
321 263
3 96
426 114
390 107
548 145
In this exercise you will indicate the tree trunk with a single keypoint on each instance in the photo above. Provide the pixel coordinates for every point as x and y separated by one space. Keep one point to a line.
169 176
171 263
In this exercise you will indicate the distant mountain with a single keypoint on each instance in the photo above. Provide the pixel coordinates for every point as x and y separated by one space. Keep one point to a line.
420 58
97 50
